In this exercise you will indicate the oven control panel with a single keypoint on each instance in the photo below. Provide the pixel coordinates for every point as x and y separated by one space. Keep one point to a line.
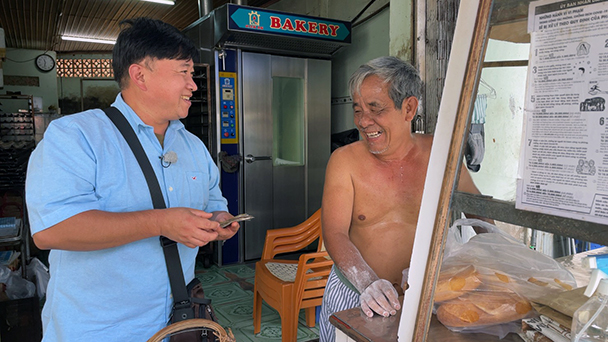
228 109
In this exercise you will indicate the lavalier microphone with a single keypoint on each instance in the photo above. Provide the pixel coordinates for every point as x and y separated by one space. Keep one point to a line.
168 159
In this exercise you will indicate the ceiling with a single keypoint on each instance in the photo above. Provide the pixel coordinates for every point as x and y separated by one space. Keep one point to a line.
39 24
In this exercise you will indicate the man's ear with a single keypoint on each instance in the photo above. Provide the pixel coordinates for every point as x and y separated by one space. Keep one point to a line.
137 76
409 107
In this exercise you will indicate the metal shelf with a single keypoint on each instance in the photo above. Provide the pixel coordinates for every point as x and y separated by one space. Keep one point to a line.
199 121
17 141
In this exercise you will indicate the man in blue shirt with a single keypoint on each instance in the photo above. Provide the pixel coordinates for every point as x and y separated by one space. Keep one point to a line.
89 202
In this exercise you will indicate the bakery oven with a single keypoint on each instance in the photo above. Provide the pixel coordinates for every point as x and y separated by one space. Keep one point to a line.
270 74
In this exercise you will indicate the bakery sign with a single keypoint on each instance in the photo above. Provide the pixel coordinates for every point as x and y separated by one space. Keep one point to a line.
258 20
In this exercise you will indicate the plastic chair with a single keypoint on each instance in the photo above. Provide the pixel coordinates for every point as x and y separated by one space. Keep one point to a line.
291 285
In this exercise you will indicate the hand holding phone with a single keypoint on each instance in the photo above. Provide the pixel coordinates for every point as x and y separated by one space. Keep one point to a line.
238 218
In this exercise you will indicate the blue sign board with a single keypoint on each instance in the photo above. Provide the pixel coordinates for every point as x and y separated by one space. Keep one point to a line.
257 20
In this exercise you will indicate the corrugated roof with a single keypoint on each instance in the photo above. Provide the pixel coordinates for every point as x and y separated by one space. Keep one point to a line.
39 24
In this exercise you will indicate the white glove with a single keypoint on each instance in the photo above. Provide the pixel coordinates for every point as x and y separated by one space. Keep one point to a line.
381 297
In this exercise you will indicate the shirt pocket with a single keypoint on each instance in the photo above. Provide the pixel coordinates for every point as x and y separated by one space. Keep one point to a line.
198 189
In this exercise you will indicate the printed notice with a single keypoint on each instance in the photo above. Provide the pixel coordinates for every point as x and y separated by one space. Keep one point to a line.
563 168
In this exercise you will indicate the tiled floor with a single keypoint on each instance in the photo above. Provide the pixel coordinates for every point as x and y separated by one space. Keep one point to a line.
230 289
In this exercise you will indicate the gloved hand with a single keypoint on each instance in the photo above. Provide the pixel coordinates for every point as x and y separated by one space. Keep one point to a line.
381 297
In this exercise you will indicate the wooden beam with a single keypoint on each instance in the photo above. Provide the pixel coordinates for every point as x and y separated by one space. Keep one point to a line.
505 64
454 162
503 211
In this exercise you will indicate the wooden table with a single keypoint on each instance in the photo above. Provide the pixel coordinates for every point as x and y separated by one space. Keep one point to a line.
353 325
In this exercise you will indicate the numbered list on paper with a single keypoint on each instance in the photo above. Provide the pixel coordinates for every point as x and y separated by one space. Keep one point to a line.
564 157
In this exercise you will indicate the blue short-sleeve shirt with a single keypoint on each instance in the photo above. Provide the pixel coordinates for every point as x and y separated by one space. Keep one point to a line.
83 163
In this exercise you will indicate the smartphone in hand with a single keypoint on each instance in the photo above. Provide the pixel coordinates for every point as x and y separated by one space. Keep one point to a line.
238 218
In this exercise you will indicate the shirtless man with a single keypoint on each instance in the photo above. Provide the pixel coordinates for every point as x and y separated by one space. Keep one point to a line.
373 190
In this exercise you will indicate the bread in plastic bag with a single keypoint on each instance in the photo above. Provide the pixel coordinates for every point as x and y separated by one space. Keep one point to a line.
486 282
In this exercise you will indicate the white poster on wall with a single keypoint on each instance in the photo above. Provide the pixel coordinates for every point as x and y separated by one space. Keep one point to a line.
563 168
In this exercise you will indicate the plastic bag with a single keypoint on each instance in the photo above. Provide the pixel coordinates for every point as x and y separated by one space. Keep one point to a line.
487 282
41 276
16 287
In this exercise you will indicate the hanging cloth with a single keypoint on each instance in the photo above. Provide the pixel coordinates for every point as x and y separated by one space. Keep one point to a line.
479 112
475 148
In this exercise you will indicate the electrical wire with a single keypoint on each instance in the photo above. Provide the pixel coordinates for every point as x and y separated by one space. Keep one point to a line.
363 10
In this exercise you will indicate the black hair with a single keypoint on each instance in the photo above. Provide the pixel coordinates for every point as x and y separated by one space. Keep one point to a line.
145 37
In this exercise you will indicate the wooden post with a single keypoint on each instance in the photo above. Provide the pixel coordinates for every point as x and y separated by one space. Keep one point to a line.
454 162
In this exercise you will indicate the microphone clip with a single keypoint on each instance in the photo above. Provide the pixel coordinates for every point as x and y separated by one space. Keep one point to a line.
168 159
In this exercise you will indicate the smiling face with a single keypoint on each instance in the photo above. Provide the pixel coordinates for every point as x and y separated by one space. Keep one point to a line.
382 126
170 86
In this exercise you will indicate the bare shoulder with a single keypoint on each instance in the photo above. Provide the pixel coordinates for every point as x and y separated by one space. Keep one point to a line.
425 140
349 154
424 143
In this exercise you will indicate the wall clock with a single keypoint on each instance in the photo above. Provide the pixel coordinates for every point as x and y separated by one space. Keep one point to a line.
45 63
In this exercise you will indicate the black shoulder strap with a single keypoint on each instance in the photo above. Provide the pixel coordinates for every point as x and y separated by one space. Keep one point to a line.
127 132
181 299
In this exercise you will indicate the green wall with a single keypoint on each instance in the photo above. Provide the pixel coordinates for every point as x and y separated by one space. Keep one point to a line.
369 40
20 62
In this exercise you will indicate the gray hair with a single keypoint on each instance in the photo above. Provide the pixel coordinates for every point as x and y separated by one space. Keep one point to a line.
402 78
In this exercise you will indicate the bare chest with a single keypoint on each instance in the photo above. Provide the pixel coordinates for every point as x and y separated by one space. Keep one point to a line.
392 194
